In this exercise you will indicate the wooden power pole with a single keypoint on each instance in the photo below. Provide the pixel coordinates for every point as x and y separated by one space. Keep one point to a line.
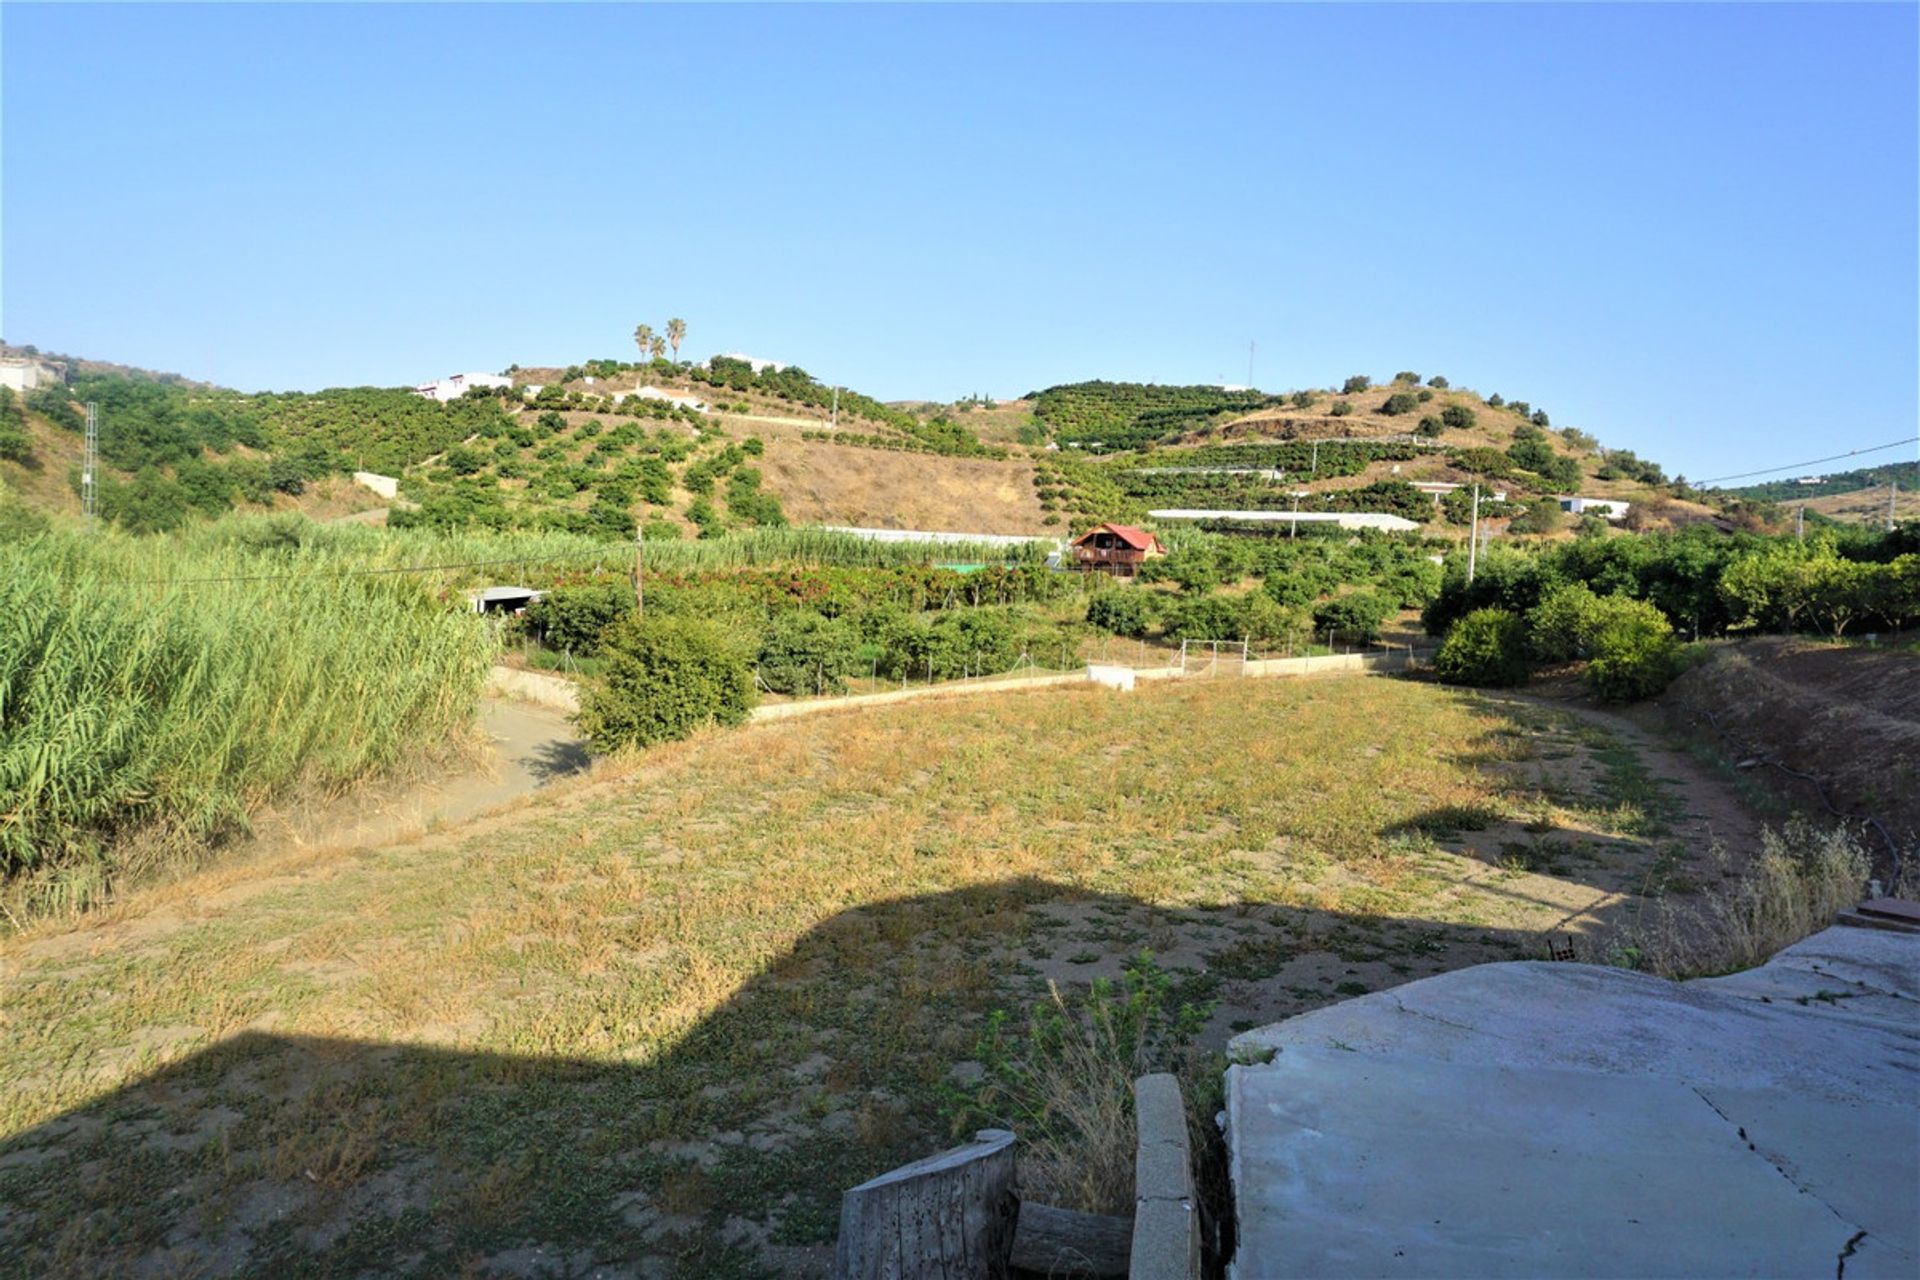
639 570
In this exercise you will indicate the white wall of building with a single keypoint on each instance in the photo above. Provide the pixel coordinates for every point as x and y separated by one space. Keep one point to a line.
27 375
457 385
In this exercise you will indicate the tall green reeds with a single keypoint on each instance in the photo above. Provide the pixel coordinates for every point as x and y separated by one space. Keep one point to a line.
158 691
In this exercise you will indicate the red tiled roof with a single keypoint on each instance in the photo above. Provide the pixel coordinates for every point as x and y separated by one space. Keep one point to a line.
1138 539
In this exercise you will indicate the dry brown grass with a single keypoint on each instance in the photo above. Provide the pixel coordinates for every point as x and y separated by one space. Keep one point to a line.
673 1014
1804 876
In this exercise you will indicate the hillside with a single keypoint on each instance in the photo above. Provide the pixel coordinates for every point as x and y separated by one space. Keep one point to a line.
599 446
1130 448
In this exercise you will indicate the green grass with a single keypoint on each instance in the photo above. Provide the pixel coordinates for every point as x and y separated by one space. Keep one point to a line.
673 1014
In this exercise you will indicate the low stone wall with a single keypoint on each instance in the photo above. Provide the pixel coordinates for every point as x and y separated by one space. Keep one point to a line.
563 694
1329 664
813 706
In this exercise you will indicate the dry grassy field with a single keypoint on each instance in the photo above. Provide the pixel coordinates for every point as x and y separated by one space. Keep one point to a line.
656 1023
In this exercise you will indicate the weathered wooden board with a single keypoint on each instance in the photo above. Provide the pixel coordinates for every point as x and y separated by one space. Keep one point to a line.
1063 1244
948 1217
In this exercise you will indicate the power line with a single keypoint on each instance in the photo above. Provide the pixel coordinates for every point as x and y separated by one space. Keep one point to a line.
1791 466
362 573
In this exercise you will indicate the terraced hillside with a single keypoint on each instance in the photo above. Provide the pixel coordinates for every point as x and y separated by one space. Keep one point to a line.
1125 449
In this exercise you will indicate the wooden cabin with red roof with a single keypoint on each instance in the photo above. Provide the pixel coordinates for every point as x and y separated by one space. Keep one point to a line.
1119 549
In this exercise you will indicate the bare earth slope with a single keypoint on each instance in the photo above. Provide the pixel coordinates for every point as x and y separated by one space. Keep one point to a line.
834 484
1845 716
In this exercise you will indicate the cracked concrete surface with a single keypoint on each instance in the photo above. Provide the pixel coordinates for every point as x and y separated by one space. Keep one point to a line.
1558 1119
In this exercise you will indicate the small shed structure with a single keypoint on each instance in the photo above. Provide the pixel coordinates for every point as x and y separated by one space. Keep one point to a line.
1607 508
502 599
1119 549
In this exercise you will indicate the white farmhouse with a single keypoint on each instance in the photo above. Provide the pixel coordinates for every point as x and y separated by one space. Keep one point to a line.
24 373
457 385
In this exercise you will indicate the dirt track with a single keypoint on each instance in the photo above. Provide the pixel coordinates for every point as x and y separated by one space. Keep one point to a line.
524 747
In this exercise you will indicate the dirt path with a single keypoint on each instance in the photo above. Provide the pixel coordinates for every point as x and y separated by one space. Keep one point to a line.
526 746
1710 809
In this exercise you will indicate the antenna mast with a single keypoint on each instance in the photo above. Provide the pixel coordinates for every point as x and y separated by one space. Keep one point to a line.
91 464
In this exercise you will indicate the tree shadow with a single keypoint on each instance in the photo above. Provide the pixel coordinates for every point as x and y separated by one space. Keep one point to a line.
558 759
720 1151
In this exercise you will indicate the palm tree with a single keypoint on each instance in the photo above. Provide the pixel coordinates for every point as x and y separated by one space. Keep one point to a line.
676 330
659 348
643 339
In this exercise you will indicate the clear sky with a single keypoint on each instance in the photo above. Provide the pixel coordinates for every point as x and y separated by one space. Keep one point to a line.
1691 230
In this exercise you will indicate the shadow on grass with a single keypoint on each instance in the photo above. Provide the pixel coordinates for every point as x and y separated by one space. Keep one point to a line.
720 1153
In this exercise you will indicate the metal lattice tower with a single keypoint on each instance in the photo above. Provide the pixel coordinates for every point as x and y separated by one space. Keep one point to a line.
92 463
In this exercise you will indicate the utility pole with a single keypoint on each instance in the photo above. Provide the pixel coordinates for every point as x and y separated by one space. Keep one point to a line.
835 423
1249 365
1893 491
1473 537
1316 459
91 464
1800 524
639 570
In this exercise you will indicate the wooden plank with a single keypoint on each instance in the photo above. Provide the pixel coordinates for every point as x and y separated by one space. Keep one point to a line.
948 1217
1068 1245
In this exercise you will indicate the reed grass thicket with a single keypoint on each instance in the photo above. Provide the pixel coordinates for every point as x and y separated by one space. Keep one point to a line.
155 692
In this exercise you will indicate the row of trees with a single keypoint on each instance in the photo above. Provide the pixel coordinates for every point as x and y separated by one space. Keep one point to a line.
654 345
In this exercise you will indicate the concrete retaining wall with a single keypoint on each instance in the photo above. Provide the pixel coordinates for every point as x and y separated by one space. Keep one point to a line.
534 686
1166 1222
1383 660
385 486
564 695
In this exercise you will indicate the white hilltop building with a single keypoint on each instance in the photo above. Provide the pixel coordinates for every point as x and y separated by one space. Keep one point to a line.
26 373
456 385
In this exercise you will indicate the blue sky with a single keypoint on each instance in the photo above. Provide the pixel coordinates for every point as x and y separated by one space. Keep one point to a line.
1691 230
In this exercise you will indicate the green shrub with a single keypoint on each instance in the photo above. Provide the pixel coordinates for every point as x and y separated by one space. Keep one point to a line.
803 652
1268 620
1438 383
1634 651
1357 383
1544 516
571 619
1125 611
663 678
1430 426
1457 416
1487 647
1302 399
1407 378
1561 626
15 444
1495 400
1341 409
1359 614
1398 403
965 642
1423 396
1207 618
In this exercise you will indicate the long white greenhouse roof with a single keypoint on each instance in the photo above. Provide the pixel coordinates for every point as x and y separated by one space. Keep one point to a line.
1345 519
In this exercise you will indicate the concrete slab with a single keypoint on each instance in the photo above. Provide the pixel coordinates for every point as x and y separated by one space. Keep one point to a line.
1537 1118
1370 1166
